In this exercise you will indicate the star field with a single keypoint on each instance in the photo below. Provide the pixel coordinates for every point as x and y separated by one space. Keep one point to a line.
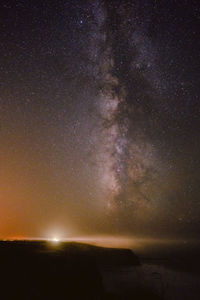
100 118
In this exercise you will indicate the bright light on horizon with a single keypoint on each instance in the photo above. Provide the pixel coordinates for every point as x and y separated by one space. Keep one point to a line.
55 240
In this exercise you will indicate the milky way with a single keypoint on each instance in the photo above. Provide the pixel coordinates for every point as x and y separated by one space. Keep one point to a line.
138 117
99 114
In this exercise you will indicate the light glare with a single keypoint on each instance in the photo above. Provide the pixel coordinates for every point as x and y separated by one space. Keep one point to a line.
55 240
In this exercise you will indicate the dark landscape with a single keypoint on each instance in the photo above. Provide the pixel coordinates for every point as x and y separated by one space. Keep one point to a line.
70 270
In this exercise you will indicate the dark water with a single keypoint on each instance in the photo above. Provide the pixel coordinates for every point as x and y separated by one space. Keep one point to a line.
172 269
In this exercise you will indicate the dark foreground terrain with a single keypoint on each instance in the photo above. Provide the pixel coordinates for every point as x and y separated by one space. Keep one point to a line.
69 270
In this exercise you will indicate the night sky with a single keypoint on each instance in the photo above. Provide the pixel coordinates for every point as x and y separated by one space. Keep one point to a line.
99 118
